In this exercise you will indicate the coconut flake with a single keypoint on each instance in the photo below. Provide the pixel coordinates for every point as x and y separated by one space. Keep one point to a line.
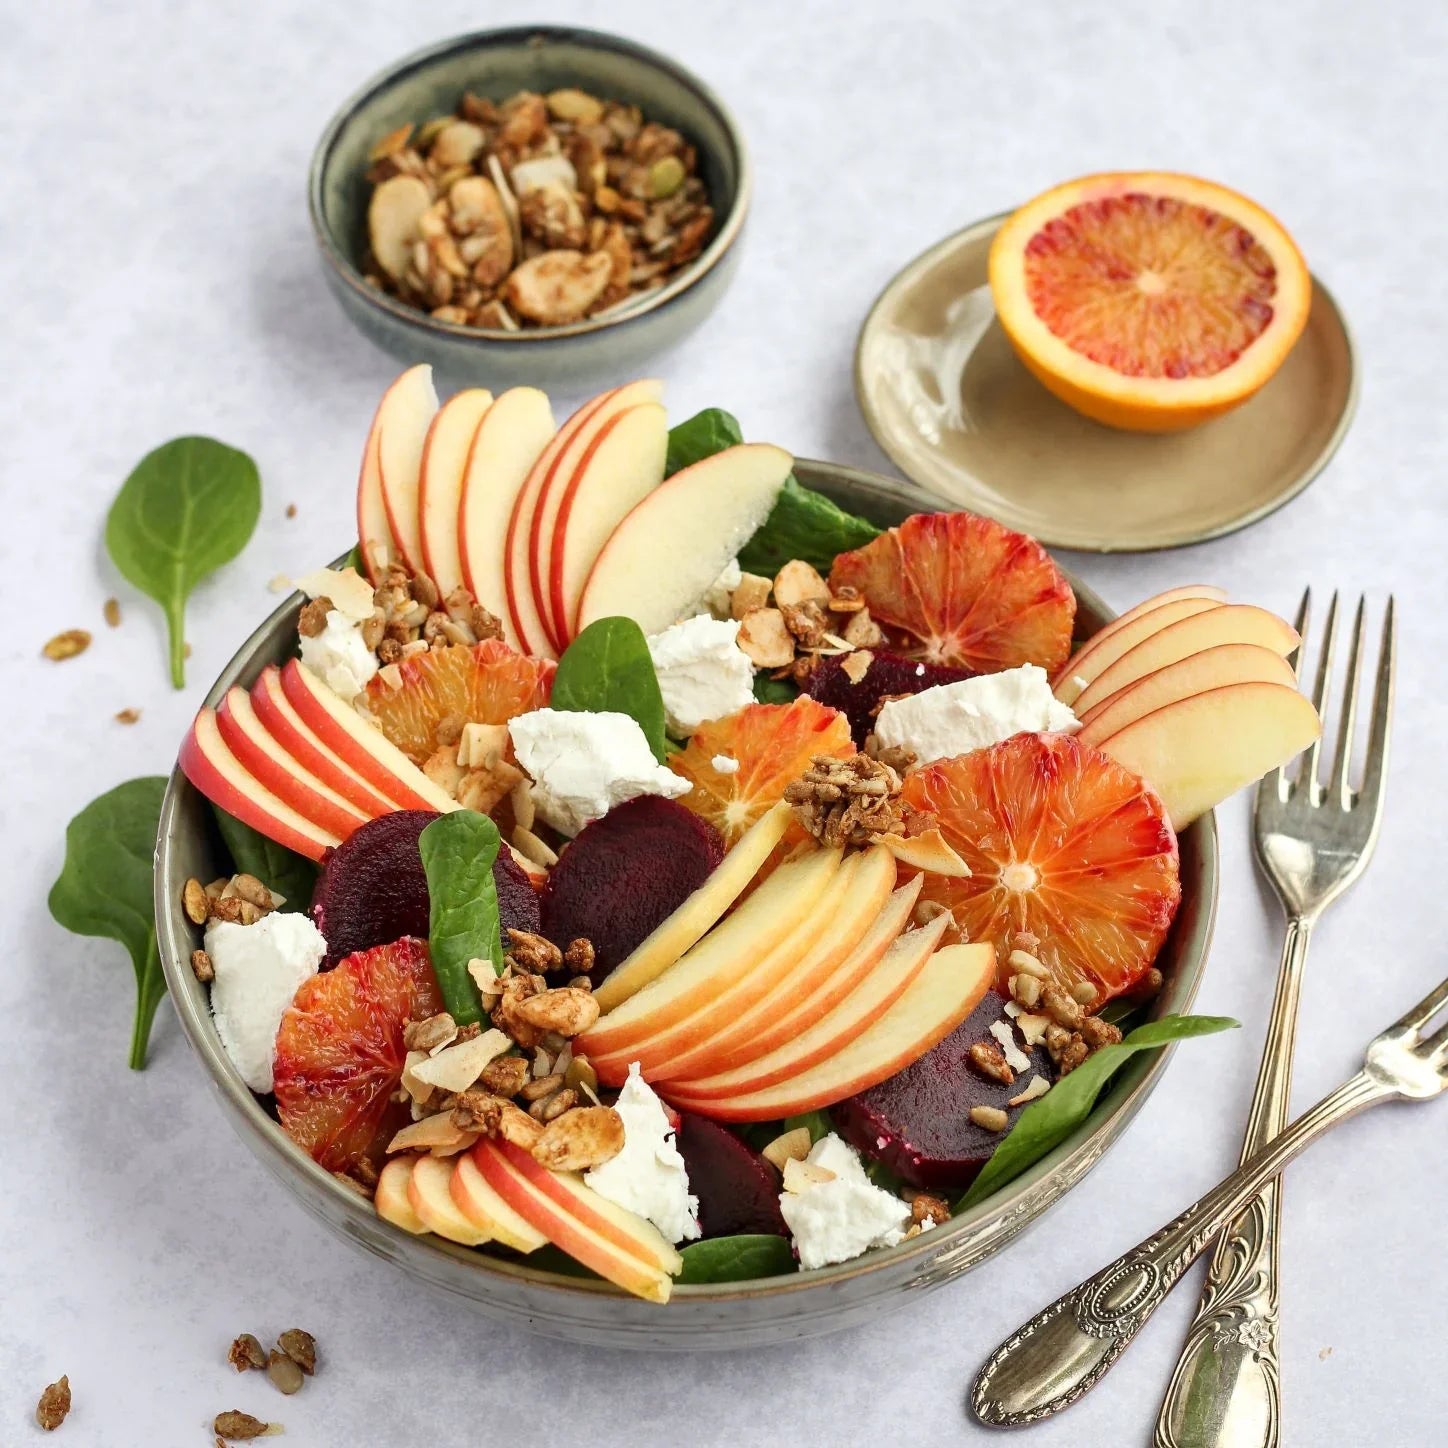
1016 1059
350 593
1036 1086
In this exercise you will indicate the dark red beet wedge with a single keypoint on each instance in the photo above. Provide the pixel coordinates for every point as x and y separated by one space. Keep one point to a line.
887 674
372 889
626 874
738 1190
918 1123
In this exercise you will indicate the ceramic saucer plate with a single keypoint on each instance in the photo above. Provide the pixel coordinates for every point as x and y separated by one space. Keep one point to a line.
957 412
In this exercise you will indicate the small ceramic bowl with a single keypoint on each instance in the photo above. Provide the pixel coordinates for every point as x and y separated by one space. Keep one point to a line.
497 64
746 1314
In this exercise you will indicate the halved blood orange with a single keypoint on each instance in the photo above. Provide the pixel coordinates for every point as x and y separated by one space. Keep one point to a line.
963 590
486 683
339 1053
1148 300
1072 857
772 744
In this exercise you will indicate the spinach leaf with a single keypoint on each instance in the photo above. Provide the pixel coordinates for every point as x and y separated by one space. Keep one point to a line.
188 507
818 1122
699 437
803 524
775 691
736 1259
278 868
608 668
104 887
458 851
1050 1119
353 560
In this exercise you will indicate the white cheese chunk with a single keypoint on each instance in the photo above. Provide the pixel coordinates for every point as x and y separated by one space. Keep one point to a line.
339 657
974 713
833 1221
648 1176
258 968
703 673
716 600
725 763
582 764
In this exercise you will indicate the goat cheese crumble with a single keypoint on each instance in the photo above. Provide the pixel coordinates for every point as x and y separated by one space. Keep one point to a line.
339 657
836 1220
703 673
973 713
648 1176
582 764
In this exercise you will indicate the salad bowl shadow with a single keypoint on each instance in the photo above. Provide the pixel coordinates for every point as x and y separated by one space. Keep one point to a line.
742 1315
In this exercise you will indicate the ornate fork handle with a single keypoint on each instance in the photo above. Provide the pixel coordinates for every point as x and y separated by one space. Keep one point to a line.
1065 1350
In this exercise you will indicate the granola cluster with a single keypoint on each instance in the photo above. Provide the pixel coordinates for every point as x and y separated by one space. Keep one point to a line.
288 1365
242 899
854 801
1056 1018
534 211
786 623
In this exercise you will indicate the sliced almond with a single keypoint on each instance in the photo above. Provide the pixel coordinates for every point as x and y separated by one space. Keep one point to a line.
572 104
457 1067
798 583
524 810
349 592
393 214
764 637
800 1176
789 1146
457 143
508 201
557 286
532 848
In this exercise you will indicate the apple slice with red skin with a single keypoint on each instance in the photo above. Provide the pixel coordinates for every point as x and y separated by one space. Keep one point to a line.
950 986
1228 623
1105 649
362 746
831 1034
403 418
664 556
265 760
509 440
207 761
1199 750
429 1193
440 483
1212 668
286 726
487 1211
410 396
391 1196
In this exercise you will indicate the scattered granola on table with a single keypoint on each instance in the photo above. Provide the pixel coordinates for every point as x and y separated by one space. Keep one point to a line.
67 645
234 1426
534 211
54 1404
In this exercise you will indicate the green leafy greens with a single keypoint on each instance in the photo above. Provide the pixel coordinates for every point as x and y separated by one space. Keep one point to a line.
104 887
290 875
1050 1119
608 668
188 507
736 1259
458 851
700 437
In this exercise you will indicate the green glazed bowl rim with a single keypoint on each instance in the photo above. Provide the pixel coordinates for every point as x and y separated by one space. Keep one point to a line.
342 265
940 1255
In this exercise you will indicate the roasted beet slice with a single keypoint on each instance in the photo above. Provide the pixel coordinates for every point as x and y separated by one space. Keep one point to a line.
887 674
372 889
738 1190
626 874
918 1123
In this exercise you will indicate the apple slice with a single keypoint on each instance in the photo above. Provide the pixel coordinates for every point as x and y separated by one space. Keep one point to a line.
487 1211
831 1033
1121 637
943 993
929 851
766 1025
698 913
735 948
391 1198
440 483
1211 669
566 1231
374 537
403 414
622 464
207 761
1229 623
430 1196
1199 750
665 554
512 436
265 760
362 746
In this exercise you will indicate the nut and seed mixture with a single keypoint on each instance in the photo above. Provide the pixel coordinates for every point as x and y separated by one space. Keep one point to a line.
67 645
54 1404
235 1426
850 801
534 211
1055 1017
242 899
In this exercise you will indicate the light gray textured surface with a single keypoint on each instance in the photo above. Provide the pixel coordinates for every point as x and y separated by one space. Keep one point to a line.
159 279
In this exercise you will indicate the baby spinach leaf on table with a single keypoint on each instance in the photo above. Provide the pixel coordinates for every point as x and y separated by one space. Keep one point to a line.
1051 1118
804 524
736 1259
104 887
458 851
608 668
700 437
278 868
188 507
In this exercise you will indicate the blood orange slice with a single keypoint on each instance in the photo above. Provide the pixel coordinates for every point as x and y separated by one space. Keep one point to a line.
1147 300
339 1054
1071 856
486 683
772 745
964 591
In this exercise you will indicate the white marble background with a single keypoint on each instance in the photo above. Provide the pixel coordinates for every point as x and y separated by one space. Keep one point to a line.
159 278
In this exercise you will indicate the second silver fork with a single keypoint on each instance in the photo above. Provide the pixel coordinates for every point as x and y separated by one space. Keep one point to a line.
1312 841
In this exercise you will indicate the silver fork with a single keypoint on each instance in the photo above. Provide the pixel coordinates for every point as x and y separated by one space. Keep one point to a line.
1312 842
1062 1352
